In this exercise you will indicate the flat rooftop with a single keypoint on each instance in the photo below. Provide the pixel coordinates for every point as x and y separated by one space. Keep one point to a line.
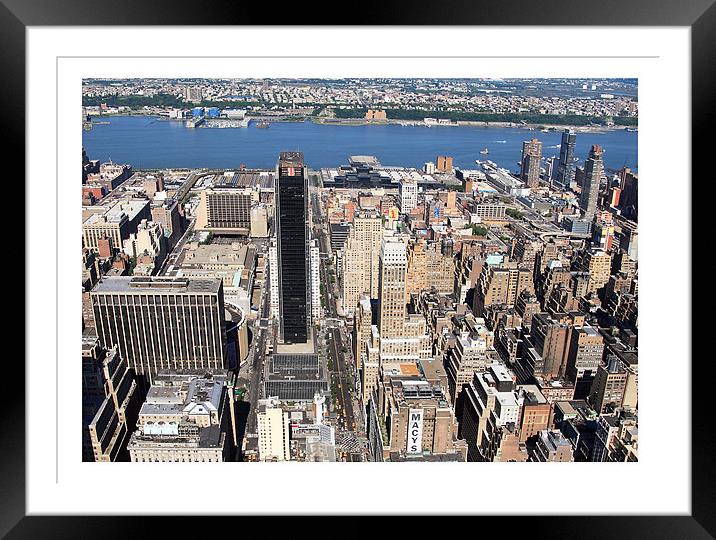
234 254
290 159
372 161
295 377
143 284
128 208
243 179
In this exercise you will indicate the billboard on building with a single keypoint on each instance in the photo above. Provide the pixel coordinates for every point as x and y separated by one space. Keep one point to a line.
415 431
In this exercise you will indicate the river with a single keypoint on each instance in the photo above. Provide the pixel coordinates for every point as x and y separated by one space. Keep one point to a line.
153 143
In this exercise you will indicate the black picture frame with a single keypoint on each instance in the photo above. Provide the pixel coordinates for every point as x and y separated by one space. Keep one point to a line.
700 16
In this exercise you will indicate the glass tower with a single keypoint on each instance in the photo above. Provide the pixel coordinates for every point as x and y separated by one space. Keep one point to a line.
566 168
291 201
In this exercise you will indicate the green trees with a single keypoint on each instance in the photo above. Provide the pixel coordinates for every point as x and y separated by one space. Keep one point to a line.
135 102
515 214
162 100
474 116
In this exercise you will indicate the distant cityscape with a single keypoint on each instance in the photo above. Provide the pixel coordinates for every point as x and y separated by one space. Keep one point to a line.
363 312
547 101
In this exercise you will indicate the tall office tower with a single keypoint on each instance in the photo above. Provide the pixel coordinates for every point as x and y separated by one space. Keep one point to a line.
291 213
273 427
586 348
599 264
489 402
609 386
444 164
440 267
162 322
393 267
593 170
416 273
315 281
273 279
109 403
531 158
628 198
566 168
545 349
361 256
501 284
408 191
428 267
467 356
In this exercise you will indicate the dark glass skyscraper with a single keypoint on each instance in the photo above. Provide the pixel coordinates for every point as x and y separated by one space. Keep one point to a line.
593 170
566 167
291 212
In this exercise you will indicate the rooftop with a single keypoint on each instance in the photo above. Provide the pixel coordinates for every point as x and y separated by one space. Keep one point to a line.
144 284
124 209
234 254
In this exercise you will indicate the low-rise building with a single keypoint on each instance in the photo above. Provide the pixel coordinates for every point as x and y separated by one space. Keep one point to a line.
184 418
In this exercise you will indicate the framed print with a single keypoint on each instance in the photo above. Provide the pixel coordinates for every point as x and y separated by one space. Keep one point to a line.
359 270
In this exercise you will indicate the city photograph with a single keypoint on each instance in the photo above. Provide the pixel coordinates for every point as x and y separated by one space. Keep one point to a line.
359 270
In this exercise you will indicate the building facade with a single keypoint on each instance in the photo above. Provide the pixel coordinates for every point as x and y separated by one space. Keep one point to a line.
315 281
162 323
393 267
361 256
530 164
408 195
566 167
273 428
293 262
593 171
185 418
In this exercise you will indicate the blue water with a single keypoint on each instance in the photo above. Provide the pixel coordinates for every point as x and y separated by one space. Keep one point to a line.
145 142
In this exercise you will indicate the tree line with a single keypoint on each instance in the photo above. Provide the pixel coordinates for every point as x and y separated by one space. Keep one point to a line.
471 116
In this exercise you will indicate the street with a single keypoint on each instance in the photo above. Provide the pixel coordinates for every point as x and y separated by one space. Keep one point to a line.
338 348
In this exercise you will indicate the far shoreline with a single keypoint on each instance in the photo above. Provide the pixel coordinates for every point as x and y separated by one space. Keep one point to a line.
551 128
540 128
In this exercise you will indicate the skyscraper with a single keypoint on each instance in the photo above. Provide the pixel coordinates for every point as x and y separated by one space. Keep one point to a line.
360 259
593 169
393 266
292 250
566 168
531 157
